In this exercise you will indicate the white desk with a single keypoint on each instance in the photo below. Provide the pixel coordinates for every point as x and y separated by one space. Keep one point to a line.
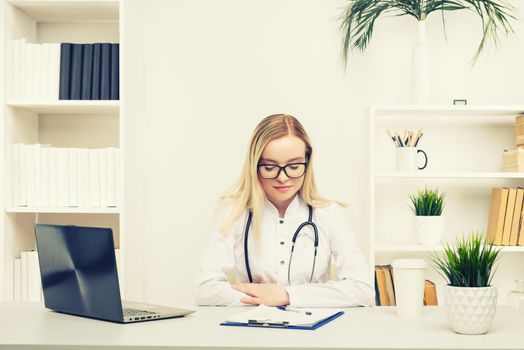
30 326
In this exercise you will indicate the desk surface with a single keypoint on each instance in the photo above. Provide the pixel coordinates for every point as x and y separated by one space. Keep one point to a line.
29 325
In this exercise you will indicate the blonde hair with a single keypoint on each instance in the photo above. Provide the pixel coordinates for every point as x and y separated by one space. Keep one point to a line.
247 193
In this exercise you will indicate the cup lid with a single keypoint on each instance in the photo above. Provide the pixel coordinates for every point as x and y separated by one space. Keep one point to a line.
410 263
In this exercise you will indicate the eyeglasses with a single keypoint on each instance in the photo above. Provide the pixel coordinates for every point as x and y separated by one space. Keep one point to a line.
272 171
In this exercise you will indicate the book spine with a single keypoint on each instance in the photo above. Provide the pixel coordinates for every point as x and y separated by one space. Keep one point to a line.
94 178
44 154
87 72
97 61
105 72
83 178
115 71
77 52
15 174
17 280
54 72
53 177
104 198
65 71
63 178
73 177
24 269
112 176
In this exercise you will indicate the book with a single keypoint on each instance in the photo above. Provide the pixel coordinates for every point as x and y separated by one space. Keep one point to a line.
381 278
517 217
94 178
23 274
105 72
508 220
87 72
277 317
17 280
115 72
499 198
77 52
73 177
390 289
430 293
65 71
97 61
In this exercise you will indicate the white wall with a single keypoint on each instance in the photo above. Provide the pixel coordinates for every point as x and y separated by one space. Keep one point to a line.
200 74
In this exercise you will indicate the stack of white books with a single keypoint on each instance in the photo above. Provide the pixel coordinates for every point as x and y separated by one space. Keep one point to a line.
44 176
35 70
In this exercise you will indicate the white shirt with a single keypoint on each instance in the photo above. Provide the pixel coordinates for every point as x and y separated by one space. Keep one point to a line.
269 260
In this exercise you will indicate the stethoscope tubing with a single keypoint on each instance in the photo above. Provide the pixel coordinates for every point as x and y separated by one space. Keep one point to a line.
293 241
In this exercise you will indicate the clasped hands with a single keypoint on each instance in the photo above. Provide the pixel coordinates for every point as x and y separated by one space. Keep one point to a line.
269 294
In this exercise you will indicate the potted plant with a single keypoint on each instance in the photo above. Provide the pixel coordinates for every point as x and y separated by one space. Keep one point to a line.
359 16
427 206
468 267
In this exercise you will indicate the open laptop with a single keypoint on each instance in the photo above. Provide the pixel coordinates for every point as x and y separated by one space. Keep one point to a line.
79 276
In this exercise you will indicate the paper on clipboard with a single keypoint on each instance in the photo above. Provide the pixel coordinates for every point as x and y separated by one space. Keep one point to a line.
272 315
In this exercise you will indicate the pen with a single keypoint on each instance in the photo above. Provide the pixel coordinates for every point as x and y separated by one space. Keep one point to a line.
290 309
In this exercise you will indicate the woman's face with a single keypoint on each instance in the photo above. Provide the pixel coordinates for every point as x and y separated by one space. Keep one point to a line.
285 151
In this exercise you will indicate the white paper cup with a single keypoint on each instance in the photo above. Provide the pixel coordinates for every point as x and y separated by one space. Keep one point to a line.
408 277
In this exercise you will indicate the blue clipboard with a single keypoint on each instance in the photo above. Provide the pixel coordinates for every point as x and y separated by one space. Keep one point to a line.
284 325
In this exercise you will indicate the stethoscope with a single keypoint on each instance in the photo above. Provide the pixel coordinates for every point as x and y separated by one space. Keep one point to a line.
297 232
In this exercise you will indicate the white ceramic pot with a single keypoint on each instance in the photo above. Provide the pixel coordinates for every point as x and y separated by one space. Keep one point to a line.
429 229
470 310
421 68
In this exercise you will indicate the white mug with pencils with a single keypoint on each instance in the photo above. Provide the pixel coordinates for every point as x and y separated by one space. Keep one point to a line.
406 152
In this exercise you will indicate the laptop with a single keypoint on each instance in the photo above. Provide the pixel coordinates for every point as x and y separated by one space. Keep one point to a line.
79 276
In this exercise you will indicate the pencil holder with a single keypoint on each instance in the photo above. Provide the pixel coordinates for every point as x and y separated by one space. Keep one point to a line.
406 159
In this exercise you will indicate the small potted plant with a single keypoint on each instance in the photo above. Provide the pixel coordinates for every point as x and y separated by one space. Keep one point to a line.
427 206
468 267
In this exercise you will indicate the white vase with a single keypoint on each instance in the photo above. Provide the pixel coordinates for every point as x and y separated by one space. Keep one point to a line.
429 229
421 68
470 310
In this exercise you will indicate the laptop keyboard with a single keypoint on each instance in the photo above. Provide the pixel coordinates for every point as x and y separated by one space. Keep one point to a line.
136 312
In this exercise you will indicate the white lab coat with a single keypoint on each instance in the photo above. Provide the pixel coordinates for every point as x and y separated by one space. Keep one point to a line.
269 260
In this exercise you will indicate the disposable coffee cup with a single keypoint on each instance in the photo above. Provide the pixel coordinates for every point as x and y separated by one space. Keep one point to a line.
408 277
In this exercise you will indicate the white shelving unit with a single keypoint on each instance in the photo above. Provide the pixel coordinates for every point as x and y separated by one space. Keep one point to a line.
464 145
59 123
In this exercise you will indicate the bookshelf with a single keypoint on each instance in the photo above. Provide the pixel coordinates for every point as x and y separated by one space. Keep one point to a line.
59 124
464 145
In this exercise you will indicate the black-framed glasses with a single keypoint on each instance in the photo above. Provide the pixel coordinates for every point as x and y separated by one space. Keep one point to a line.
272 171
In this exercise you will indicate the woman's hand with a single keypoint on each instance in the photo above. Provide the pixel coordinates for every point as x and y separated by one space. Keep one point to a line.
265 293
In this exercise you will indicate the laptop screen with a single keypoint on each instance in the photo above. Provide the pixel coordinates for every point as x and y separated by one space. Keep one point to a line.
78 270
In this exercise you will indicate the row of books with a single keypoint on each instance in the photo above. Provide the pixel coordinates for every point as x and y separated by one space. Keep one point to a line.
505 217
89 71
65 71
27 283
44 176
385 288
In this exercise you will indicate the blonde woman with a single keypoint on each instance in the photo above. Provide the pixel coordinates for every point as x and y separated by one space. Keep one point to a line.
278 236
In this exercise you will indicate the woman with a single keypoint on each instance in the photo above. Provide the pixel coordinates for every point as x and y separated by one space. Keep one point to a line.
274 196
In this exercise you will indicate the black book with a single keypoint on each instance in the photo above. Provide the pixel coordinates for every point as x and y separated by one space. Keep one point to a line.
97 60
64 91
105 72
115 72
76 71
87 72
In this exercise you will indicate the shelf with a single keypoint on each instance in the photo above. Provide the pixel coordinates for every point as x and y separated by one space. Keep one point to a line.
69 106
449 175
394 248
63 210
69 10
445 110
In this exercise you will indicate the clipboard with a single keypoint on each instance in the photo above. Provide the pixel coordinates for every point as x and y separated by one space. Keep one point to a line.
280 320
